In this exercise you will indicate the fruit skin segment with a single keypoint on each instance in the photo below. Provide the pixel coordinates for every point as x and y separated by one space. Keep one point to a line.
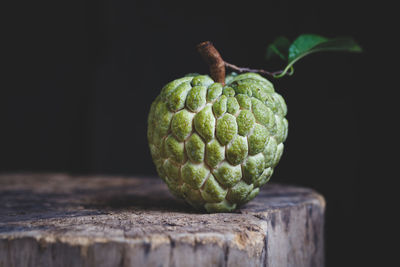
215 145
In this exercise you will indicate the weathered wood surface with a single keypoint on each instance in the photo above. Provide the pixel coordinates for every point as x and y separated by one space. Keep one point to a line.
58 220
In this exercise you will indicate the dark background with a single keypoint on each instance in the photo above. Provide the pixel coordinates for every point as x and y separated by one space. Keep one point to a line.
81 78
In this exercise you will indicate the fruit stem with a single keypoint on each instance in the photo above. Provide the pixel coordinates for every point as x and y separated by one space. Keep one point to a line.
214 60
217 65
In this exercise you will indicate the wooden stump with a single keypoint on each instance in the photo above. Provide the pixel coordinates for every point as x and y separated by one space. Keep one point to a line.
59 220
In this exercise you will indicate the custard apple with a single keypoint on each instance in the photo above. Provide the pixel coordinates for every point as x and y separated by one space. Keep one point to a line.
215 145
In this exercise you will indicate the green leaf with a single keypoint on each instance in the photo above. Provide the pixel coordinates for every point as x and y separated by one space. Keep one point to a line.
279 47
310 43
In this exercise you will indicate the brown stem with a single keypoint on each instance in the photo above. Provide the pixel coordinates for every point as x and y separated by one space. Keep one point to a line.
217 64
214 60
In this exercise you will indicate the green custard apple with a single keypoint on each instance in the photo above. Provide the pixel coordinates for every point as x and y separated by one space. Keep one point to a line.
215 145
216 141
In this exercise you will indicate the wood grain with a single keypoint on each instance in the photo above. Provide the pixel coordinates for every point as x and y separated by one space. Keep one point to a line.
61 220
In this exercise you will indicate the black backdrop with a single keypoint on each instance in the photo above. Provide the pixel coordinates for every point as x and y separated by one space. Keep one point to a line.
82 77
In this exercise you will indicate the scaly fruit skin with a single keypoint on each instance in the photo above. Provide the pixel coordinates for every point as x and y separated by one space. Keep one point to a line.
215 145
